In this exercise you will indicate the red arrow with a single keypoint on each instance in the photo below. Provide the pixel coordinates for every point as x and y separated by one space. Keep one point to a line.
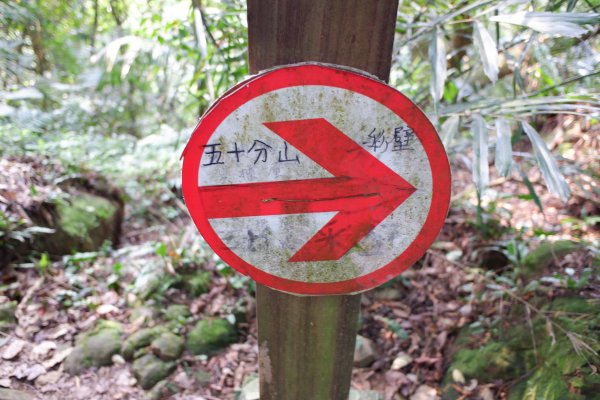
363 191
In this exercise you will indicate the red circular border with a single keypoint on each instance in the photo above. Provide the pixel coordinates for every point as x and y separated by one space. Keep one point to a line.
318 74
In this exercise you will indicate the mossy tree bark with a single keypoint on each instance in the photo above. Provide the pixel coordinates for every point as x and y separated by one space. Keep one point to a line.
307 343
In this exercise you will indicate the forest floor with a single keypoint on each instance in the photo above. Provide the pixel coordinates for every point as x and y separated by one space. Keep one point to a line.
412 321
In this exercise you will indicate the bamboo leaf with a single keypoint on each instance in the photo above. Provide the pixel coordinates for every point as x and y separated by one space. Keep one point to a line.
503 160
449 129
481 172
437 58
564 24
530 189
488 52
552 176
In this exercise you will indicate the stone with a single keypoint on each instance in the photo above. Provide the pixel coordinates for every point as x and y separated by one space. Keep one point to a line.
210 335
11 394
365 352
149 370
138 339
7 315
197 283
177 312
167 346
159 391
81 222
95 348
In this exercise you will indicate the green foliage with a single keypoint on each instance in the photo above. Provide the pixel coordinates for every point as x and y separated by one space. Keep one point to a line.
501 63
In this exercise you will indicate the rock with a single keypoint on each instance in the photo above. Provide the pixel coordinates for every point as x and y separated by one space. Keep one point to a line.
82 221
139 339
492 258
10 394
95 348
142 315
149 370
167 346
197 283
539 258
365 352
159 391
210 336
177 312
7 315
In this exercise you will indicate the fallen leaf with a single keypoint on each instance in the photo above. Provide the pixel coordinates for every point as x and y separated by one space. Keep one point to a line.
48 378
118 359
106 309
425 392
486 393
57 358
43 349
35 371
458 376
13 349
401 361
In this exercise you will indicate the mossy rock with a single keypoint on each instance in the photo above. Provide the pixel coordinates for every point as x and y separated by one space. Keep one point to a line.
167 346
139 339
95 348
210 336
7 315
197 283
149 370
82 222
177 312
537 260
555 366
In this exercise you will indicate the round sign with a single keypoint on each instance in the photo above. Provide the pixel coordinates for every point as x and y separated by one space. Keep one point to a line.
315 179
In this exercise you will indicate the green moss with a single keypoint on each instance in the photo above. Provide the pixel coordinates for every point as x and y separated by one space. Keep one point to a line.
82 213
95 348
197 283
139 339
7 315
167 346
492 361
540 352
540 257
210 335
149 370
177 312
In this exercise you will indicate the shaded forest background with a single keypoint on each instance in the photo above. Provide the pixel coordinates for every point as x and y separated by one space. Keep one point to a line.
107 290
